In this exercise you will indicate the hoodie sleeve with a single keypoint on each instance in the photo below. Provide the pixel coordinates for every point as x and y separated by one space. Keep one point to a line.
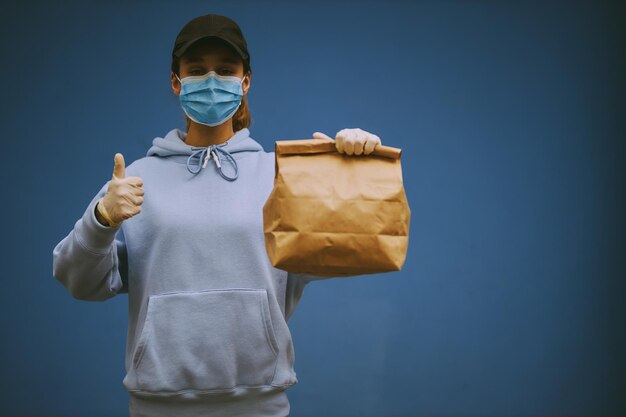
295 288
91 261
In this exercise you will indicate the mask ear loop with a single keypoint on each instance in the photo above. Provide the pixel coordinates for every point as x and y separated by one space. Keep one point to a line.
241 84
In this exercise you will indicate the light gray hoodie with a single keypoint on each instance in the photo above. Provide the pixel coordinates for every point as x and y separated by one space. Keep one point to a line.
207 328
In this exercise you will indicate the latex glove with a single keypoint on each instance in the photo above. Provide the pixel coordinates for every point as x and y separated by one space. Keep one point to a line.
352 141
123 197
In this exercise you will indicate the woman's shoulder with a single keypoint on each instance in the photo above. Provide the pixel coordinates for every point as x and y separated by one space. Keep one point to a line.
138 166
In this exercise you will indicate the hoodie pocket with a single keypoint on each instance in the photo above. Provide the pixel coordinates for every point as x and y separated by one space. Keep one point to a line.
206 340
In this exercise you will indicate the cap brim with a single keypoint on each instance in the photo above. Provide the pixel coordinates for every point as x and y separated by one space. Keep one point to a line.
183 48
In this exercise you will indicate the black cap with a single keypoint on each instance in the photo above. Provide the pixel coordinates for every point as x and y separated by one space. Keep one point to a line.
211 25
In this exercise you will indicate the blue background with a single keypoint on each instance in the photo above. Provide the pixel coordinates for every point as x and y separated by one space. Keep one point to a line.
511 120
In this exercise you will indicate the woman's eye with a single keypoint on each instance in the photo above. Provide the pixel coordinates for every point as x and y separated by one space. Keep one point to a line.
198 71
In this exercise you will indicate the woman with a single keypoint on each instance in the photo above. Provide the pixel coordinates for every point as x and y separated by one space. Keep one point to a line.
181 232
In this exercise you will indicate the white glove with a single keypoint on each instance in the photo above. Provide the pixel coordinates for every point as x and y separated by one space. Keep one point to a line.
352 141
123 197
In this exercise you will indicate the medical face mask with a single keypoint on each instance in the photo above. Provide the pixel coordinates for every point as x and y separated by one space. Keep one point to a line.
210 99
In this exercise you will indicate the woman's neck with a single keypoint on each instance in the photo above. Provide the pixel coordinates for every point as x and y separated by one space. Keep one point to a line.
202 135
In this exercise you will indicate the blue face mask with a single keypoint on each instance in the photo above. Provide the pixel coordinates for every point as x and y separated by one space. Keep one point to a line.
210 99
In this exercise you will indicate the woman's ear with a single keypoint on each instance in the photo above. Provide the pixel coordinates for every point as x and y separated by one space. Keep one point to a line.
175 84
246 82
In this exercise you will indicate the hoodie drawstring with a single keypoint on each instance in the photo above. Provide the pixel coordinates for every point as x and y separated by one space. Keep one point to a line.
212 151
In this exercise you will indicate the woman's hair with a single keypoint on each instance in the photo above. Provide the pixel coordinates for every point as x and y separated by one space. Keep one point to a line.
242 117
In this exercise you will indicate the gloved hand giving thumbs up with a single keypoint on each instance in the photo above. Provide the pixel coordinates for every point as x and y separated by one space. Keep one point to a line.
123 197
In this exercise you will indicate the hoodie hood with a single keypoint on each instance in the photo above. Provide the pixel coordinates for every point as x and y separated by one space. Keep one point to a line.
224 155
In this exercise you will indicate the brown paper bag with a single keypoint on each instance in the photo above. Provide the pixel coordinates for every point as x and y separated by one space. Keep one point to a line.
331 214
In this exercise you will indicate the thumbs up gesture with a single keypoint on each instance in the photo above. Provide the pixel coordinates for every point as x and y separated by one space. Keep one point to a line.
123 197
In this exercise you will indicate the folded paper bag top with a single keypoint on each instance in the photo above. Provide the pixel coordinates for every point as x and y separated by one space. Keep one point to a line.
331 214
